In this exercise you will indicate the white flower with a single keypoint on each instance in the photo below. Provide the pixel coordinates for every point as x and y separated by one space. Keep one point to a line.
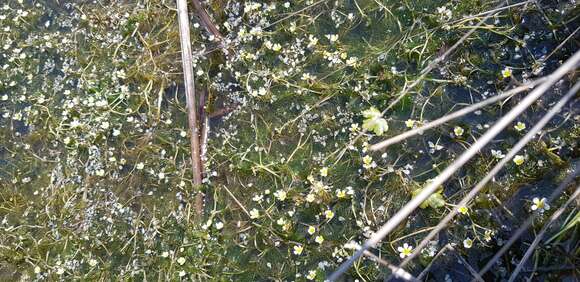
410 123
281 221
349 190
276 47
297 250
458 131
324 172
258 198
368 162
467 243
37 269
540 204
506 72
161 175
405 250
332 37
219 225
75 123
254 213
59 270
105 125
311 275
520 126
519 159
101 103
329 214
319 239
487 235
497 154
280 195
351 61
444 13
140 166
311 230
181 273
181 260
93 262
312 41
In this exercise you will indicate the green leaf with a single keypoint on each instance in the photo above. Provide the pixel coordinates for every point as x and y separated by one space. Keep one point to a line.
374 121
434 201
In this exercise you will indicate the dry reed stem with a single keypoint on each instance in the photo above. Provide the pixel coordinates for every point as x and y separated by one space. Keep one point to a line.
189 81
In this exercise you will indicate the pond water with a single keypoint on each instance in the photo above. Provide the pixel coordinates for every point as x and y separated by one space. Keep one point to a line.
95 166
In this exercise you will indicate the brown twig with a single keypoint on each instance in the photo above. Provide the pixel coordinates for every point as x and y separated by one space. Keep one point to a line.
208 23
189 81
206 20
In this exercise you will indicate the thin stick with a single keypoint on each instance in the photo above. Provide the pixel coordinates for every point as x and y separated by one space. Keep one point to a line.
424 74
536 241
404 212
496 169
208 23
439 59
426 270
454 115
492 11
468 266
529 222
189 81
398 272
237 202
560 45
